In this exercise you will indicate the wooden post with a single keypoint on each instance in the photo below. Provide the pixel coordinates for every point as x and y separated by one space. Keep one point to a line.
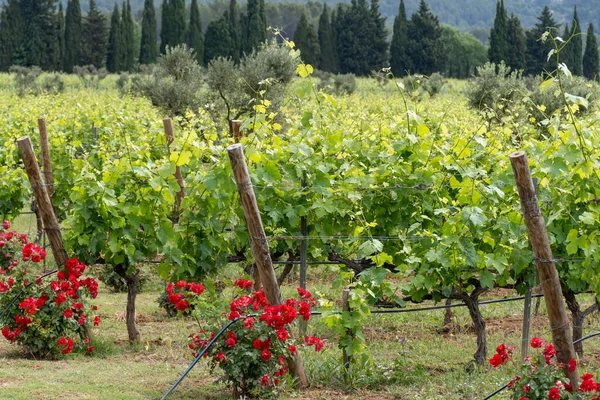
260 246
169 132
235 128
538 236
43 200
46 164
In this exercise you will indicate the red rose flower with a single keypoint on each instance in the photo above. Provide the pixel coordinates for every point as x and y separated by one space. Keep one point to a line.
68 313
496 360
554 394
537 343
265 355
572 365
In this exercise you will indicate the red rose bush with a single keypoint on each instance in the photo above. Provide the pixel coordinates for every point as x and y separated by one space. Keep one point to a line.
52 316
253 353
540 377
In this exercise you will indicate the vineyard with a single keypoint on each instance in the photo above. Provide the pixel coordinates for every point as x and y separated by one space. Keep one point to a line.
407 200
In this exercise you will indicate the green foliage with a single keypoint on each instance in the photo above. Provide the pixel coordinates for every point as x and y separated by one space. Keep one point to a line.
306 40
72 35
52 84
11 35
254 26
496 89
148 46
173 26
175 83
93 38
591 60
26 79
464 52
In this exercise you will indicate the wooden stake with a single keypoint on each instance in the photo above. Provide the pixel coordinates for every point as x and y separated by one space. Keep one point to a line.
169 132
235 128
46 163
260 246
43 200
538 236
346 308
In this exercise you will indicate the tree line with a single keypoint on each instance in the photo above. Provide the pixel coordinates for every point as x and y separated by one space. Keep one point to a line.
528 51
347 38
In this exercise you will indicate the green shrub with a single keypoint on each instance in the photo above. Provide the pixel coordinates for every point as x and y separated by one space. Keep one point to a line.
547 100
175 83
338 84
90 76
53 83
496 89
26 79
418 86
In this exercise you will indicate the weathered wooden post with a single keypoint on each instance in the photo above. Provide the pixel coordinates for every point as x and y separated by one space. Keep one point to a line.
42 198
260 246
538 237
169 133
46 163
235 129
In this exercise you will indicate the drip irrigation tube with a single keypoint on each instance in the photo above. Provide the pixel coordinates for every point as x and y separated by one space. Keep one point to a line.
395 311
14 299
489 396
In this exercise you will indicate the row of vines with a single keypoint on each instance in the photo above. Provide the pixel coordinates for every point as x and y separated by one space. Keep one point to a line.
390 187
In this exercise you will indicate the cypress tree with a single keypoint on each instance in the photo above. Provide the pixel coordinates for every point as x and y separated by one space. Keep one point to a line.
591 61
515 57
194 36
358 38
127 38
235 31
306 41
566 54
537 51
327 60
148 45
60 37
166 25
114 59
398 56
498 35
425 48
256 30
378 32
576 46
178 28
11 34
72 35
93 39
41 45
217 41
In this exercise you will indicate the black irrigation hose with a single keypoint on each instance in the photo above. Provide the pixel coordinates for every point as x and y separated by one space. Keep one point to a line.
14 299
489 396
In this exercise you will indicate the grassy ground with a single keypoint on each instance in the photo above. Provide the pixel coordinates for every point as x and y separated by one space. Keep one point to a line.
415 357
